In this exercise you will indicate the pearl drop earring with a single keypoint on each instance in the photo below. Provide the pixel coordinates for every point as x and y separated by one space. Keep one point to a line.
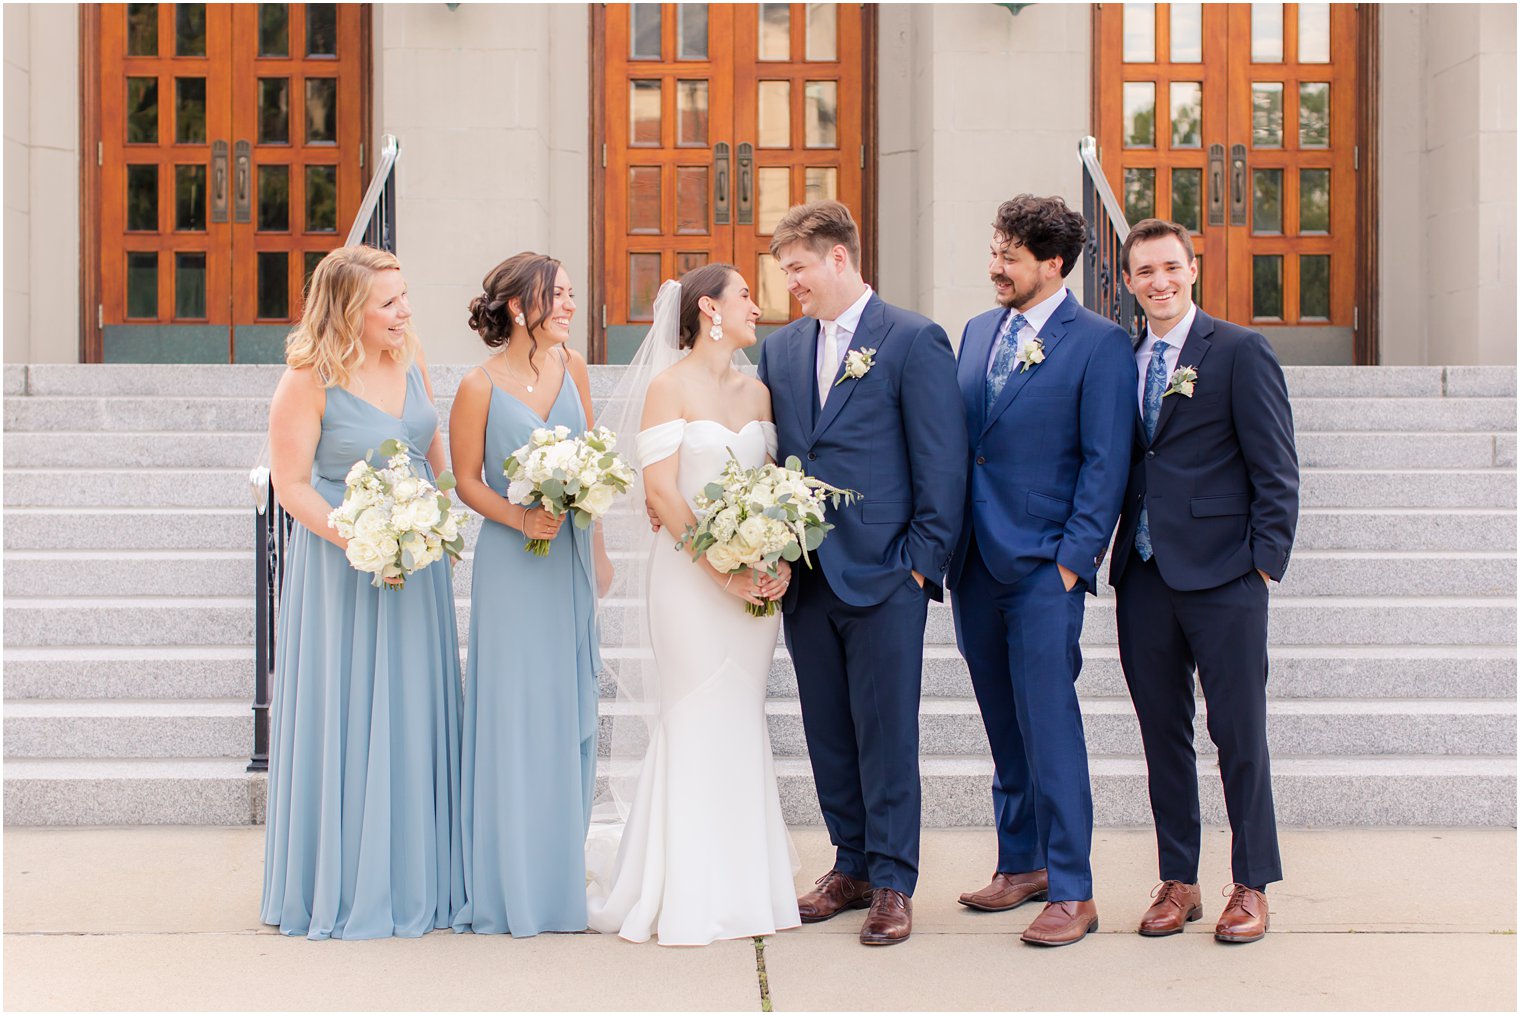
716 331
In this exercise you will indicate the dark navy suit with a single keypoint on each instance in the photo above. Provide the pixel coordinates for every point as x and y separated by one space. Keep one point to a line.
1048 461
1220 482
854 623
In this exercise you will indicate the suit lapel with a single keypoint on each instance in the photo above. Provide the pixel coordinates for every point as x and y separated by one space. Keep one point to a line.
801 357
1194 347
973 370
1050 336
870 332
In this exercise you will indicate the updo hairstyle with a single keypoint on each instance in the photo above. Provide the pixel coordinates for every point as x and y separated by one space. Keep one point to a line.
526 277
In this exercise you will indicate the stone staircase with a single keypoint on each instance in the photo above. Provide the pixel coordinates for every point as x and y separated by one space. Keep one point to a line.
128 615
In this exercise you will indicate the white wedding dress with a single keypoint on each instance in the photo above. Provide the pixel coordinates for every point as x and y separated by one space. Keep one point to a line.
704 854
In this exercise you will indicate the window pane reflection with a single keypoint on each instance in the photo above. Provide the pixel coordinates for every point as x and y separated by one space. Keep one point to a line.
142 198
274 284
775 304
1266 33
1139 33
644 199
142 284
774 99
1139 194
1187 33
142 110
822 184
321 110
190 110
1314 287
820 112
691 113
1187 198
190 199
644 38
691 31
775 31
189 29
822 32
1314 114
1313 33
190 286
1187 114
274 199
321 199
691 200
643 283
1267 114
1267 286
142 29
274 29
1266 201
1314 200
274 110
644 113
773 196
321 29
1139 114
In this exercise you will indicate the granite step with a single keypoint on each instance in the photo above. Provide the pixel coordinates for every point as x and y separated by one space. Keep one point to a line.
1292 620
1393 530
1298 672
948 726
1308 792
48 573
228 488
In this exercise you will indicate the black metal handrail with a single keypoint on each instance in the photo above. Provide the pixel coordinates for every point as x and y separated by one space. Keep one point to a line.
375 226
1103 289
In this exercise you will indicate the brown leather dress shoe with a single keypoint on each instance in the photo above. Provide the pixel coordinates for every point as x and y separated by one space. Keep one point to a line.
890 919
1244 918
1062 923
1007 891
836 891
1176 906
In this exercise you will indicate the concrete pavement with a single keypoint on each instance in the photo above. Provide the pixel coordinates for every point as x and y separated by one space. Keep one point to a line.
167 918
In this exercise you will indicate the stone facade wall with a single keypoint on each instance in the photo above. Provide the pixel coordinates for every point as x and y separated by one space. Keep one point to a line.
1447 206
491 104
41 183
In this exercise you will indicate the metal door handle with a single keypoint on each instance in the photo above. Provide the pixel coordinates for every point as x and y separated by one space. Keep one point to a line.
1237 185
720 183
746 184
242 188
1216 185
219 181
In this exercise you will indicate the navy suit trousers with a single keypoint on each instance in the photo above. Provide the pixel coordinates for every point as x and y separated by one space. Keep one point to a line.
1163 634
859 677
1020 642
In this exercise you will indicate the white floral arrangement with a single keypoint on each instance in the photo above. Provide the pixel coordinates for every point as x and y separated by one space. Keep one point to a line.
396 522
1031 355
756 517
857 363
564 474
1183 380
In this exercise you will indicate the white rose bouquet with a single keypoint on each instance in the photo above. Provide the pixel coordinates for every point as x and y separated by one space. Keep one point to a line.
562 474
396 522
756 517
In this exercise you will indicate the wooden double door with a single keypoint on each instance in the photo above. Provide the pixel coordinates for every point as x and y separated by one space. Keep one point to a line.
229 160
713 121
1240 121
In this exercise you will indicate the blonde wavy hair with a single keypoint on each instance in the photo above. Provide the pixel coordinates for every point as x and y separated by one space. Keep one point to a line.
330 336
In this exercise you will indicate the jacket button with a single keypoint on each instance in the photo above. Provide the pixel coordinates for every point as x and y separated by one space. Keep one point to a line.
1150 454
980 460
812 456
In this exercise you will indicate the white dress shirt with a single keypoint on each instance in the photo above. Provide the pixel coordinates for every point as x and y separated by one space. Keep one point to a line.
1036 315
845 325
1174 339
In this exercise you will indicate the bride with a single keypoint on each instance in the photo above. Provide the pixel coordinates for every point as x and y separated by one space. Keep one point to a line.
702 851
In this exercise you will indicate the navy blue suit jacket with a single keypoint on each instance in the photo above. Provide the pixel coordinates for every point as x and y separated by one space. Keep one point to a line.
1220 477
1049 458
886 435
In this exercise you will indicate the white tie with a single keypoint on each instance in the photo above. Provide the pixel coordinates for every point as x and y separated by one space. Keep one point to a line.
830 365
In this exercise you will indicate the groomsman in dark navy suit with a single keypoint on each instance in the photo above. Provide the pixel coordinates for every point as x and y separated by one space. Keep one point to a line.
1047 388
860 391
1208 520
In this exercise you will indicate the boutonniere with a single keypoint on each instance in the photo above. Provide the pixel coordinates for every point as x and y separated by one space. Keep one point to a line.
1183 379
857 363
1031 355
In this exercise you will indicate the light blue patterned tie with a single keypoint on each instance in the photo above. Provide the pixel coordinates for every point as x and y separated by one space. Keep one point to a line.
1007 353
1155 384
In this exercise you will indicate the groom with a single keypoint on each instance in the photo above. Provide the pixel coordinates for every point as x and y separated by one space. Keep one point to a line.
862 392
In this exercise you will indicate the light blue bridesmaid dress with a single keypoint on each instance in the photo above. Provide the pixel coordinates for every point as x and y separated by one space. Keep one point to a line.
362 836
529 707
